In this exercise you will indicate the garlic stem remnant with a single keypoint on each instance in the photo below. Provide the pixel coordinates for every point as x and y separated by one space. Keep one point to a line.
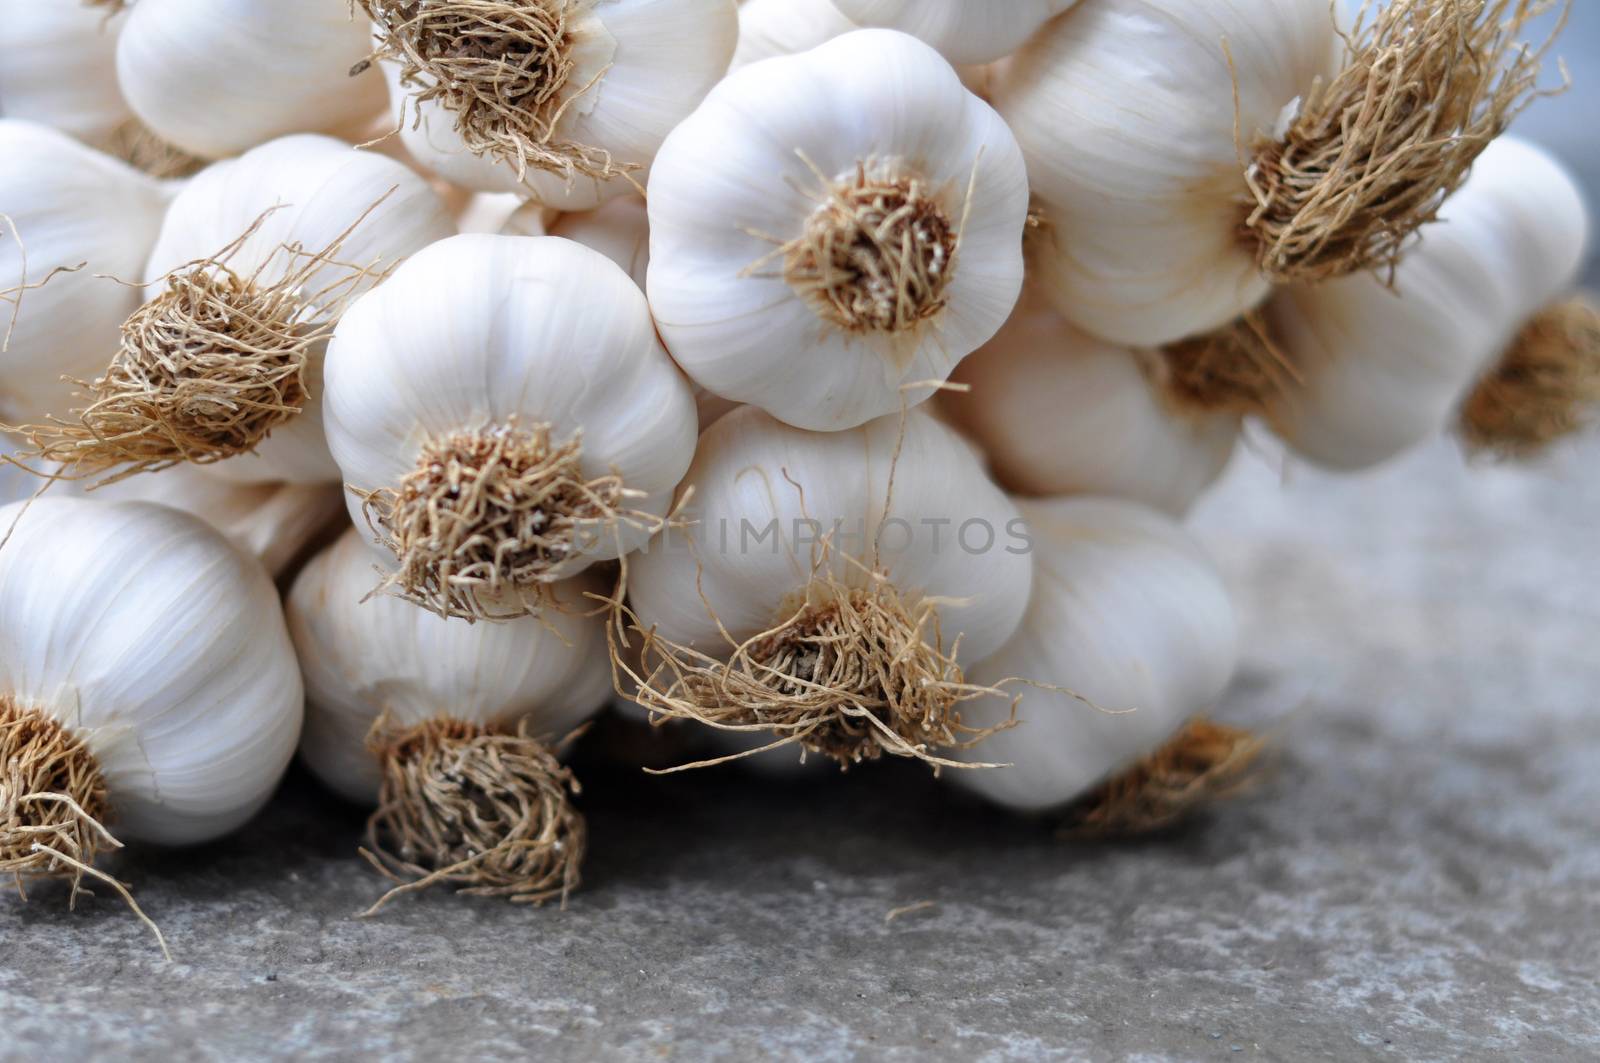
486 515
486 811
1371 154
142 148
1546 386
876 256
1204 763
503 69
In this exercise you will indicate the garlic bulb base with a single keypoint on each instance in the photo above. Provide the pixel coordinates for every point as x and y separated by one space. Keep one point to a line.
1236 369
1205 762
1337 194
487 812
851 674
487 518
1545 387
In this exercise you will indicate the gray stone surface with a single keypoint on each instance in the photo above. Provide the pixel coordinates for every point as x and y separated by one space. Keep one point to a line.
1416 879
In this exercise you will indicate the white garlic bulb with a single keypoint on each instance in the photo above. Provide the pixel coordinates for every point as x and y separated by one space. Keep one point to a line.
503 212
397 696
1271 150
141 636
508 406
216 77
590 107
1378 369
1059 412
60 68
71 206
258 255
825 577
862 232
1128 613
769 28
965 31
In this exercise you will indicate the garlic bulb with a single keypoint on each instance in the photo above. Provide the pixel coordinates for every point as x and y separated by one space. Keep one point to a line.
399 699
147 686
502 212
70 206
508 416
1060 412
829 587
563 101
965 31
861 232
256 259
769 28
1126 612
216 77
1379 370
60 68
1172 204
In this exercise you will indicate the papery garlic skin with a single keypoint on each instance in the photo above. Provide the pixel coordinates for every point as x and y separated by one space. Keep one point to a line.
306 190
965 31
1139 176
758 486
1380 369
71 206
1127 612
216 77
60 68
363 659
143 629
875 100
646 64
769 28
1059 412
477 333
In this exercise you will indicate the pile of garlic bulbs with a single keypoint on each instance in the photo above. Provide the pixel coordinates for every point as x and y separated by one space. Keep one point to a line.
831 376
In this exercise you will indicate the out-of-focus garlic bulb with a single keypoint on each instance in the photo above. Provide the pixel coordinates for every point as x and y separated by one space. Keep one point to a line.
1127 614
148 685
769 28
829 587
1271 150
965 31
60 68
216 77
68 206
448 728
256 259
563 101
860 235
503 212
1059 412
507 415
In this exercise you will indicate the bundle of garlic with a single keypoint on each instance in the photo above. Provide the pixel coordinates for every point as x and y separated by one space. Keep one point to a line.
1273 149
506 416
860 235
148 685
1129 635
67 213
829 587
216 77
60 68
965 31
448 728
563 101
256 259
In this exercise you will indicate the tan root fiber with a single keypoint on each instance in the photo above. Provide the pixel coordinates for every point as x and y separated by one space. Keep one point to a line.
503 69
1237 369
486 516
1372 155
1203 763
1546 387
206 370
875 256
485 811
850 673
53 806
137 145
